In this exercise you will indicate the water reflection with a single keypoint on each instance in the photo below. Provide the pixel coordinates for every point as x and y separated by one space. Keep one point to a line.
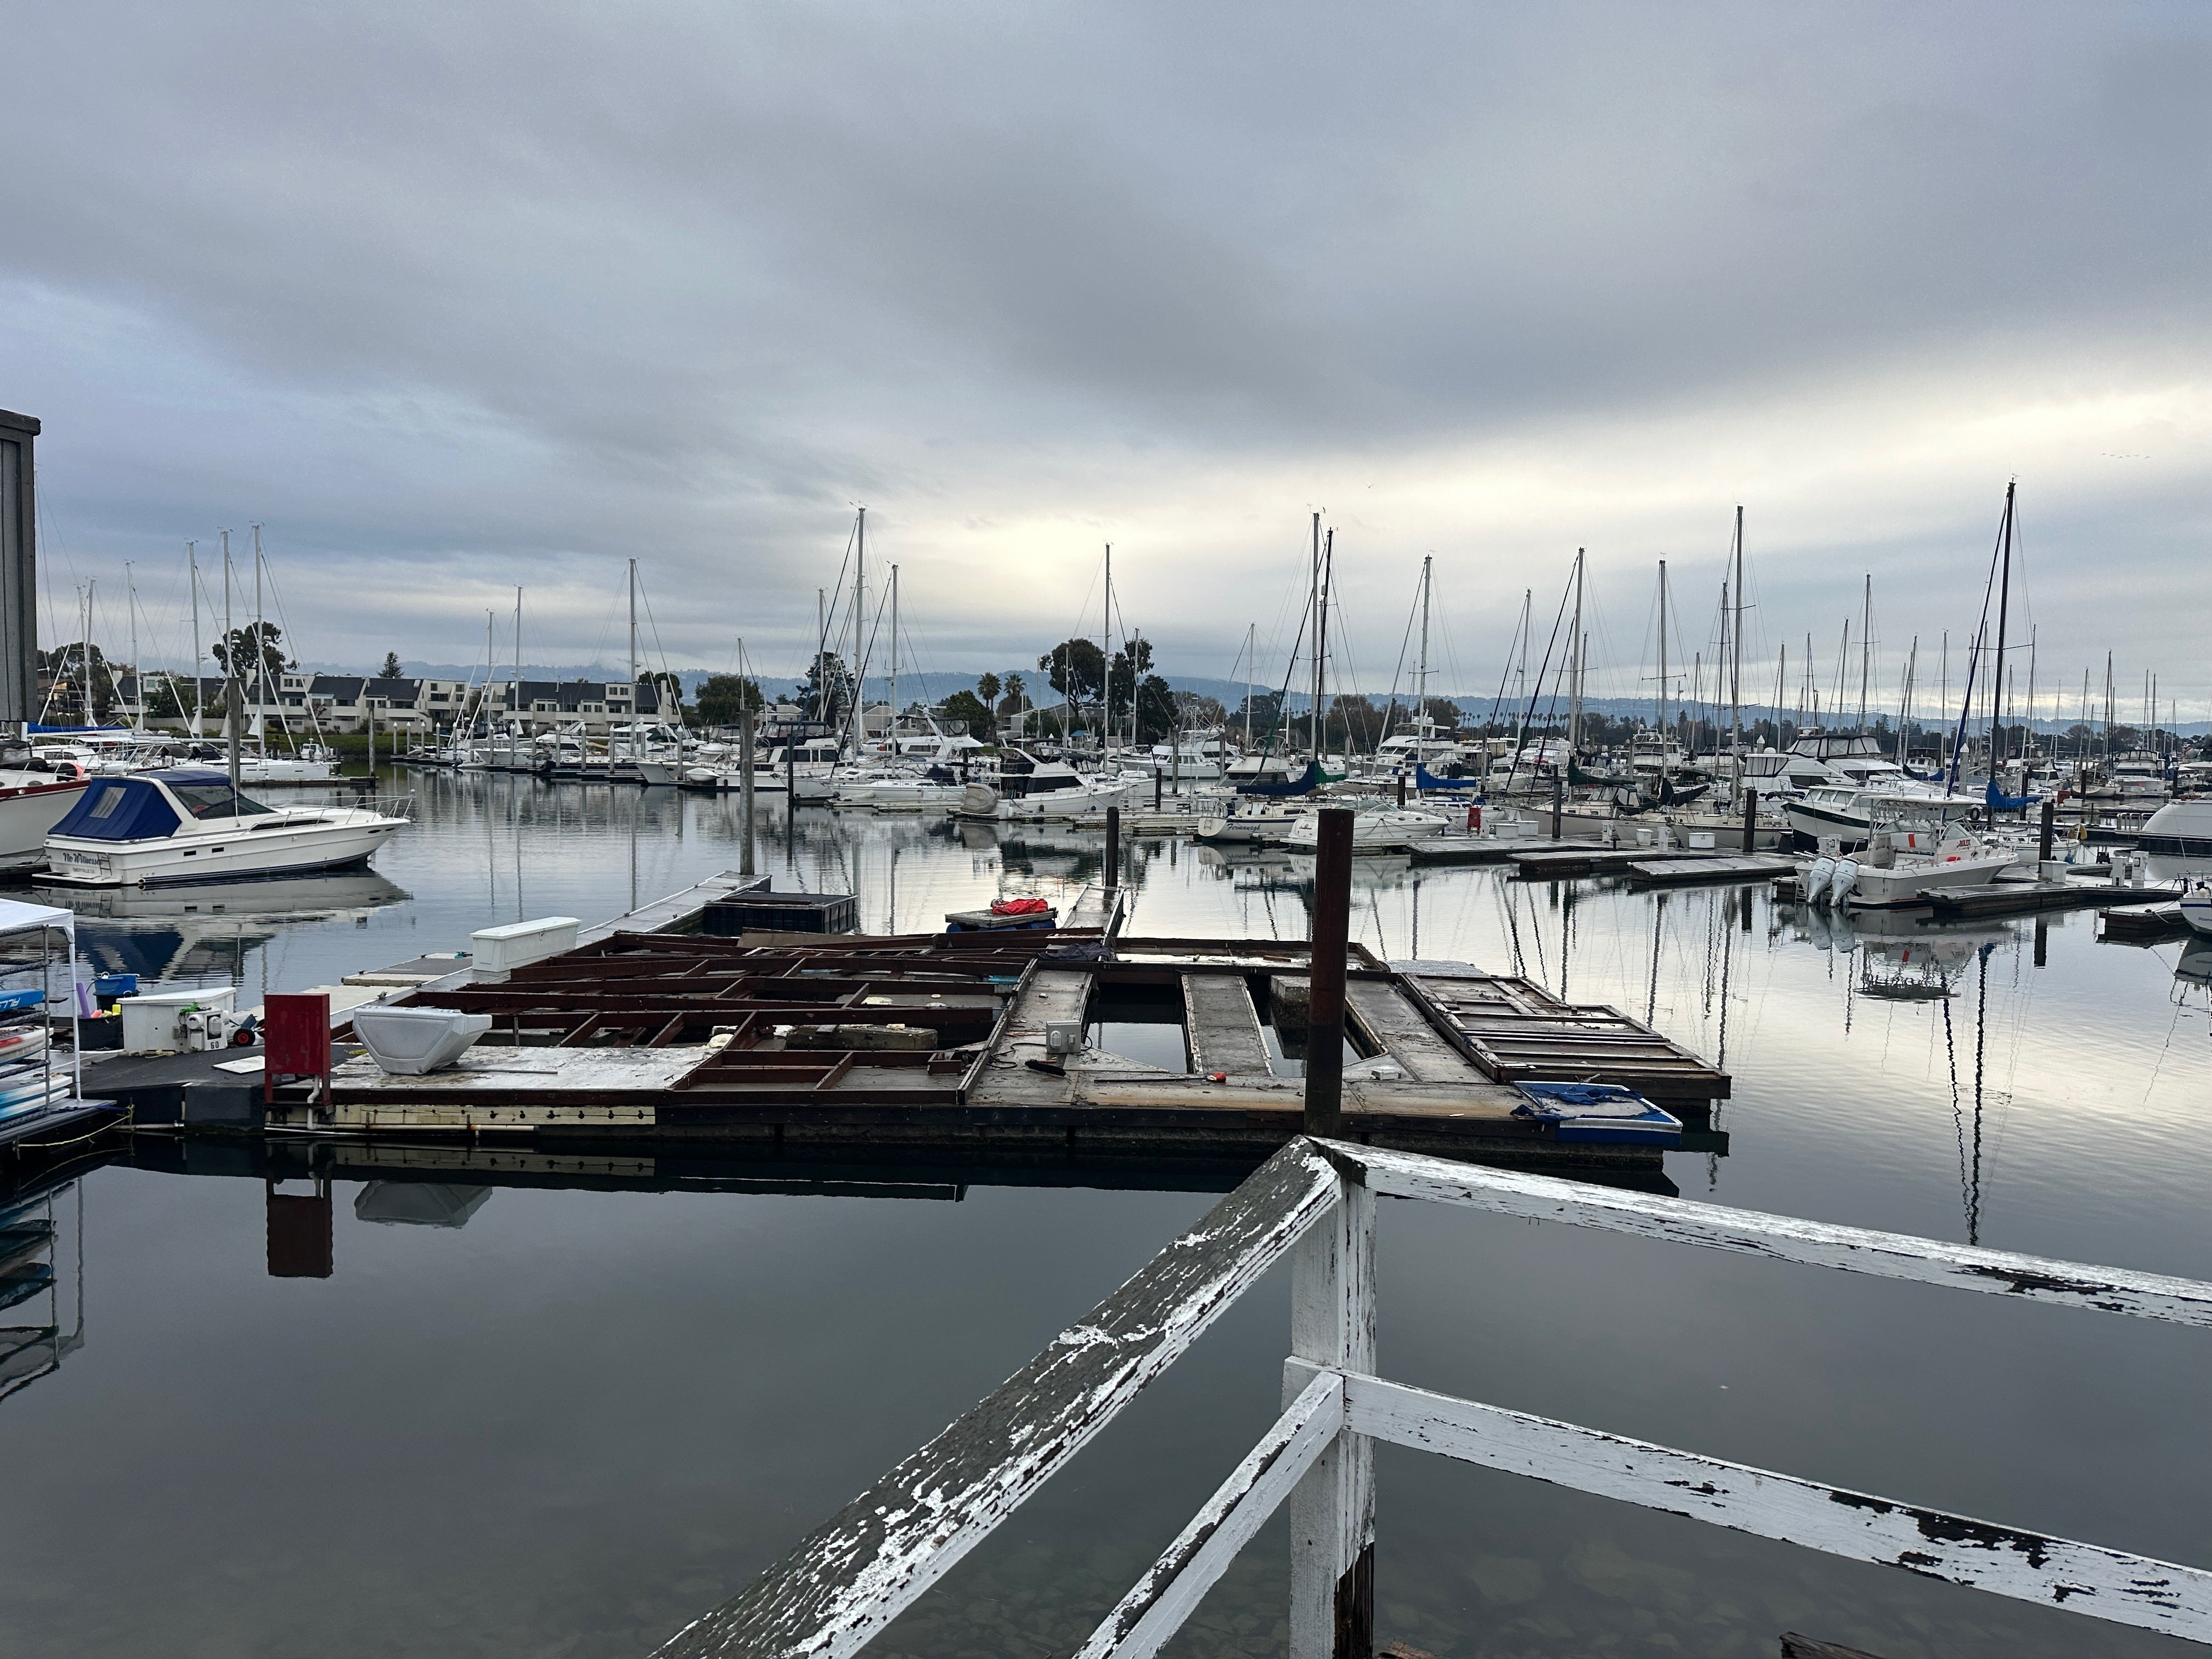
41 1282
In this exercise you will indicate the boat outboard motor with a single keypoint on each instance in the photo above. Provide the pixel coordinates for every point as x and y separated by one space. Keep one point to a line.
1844 883
1817 879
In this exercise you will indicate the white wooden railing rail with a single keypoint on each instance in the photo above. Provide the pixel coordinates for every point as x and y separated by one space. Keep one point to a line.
1315 1201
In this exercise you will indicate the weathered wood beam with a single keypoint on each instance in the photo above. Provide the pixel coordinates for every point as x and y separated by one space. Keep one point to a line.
869 1560
1333 1510
1171 1588
2108 1585
1783 1238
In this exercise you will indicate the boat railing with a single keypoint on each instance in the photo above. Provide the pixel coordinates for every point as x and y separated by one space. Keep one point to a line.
1315 1203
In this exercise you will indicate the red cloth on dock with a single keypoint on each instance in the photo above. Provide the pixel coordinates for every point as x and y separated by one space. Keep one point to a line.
1019 907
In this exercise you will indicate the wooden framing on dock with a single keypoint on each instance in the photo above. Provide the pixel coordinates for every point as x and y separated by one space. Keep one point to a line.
966 1038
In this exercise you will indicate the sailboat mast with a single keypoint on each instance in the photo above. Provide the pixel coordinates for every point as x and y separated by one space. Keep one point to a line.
1866 649
1736 648
260 646
2004 601
1321 648
138 674
1313 645
1106 661
1781 674
230 667
1251 678
1660 713
633 637
860 610
1421 677
192 581
895 701
1580 645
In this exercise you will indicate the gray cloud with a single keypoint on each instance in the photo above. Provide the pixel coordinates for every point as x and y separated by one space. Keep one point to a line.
453 298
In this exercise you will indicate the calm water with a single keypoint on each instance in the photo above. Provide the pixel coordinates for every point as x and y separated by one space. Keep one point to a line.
583 1417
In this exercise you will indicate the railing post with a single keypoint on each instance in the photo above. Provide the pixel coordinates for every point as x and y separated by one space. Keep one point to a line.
1332 931
1332 1510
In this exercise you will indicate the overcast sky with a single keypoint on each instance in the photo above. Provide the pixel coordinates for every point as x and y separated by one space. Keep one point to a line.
451 297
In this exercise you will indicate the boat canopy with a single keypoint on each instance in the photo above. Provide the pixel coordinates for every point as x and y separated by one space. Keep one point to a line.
1426 781
121 808
134 809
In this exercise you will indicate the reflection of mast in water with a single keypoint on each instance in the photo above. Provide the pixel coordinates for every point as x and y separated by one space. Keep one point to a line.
1566 934
1981 1045
1651 1000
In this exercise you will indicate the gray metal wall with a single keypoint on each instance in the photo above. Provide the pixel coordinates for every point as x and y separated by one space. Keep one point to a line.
19 585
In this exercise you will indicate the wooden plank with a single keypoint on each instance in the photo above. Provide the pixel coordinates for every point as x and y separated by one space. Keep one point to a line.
869 1560
1223 1027
1333 1510
1391 1021
2083 1578
1651 873
1171 1588
1514 1032
1785 1238
1005 1078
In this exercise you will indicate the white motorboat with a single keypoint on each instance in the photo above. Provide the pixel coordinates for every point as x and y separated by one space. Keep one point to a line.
32 801
1390 831
1261 823
1046 789
313 764
2197 908
2180 830
1848 811
162 827
1903 867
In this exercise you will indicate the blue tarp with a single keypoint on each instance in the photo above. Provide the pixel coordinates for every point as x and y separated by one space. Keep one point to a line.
1424 780
36 730
1997 801
125 809
1313 778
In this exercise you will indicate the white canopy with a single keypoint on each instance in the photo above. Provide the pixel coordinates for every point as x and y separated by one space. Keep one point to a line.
15 917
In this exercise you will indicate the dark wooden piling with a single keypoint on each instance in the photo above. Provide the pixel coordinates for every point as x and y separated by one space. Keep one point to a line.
2042 841
1751 820
1332 928
1113 846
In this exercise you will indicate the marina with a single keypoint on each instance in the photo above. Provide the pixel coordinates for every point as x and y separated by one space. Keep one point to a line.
1713 993
1085 835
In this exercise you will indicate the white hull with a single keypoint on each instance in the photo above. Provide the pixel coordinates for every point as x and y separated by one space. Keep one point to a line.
340 838
1905 884
1065 803
28 813
1376 832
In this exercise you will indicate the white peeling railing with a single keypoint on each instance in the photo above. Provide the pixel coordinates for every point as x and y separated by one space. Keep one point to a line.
1314 1201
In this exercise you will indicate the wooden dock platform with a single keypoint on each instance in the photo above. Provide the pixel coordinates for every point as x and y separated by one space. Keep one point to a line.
1705 866
2026 897
962 1039
1515 1031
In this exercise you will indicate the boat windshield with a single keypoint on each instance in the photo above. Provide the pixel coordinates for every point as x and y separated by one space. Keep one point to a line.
215 801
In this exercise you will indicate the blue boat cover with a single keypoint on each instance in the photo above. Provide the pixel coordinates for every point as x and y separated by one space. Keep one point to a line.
1305 784
1997 801
1425 780
126 809
36 730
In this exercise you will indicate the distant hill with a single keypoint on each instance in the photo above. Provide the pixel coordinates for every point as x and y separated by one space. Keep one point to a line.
936 687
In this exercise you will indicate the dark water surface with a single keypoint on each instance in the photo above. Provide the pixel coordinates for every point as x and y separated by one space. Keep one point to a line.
582 1418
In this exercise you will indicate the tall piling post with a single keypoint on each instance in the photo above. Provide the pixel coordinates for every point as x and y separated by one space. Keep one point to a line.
746 717
1113 846
2043 840
1751 820
1332 928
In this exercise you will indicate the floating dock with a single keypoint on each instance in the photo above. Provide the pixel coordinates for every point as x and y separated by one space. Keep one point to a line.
1676 870
974 1040
2025 897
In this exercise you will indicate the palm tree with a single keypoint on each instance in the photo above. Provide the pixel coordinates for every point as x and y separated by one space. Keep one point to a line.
988 689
